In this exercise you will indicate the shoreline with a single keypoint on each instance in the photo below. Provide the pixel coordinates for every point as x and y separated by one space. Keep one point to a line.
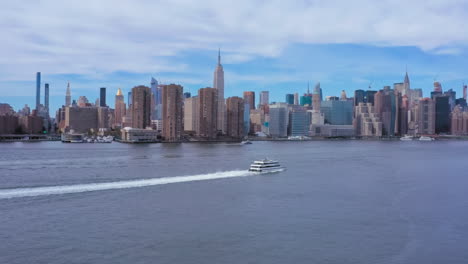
26 139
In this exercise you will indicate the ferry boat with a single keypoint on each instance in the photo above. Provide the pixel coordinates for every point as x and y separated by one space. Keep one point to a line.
425 138
406 138
265 165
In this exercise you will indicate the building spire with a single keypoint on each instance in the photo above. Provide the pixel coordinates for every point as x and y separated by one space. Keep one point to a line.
308 91
219 56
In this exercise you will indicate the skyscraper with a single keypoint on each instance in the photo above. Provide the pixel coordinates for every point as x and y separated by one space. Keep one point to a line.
290 99
141 106
426 116
442 114
264 98
249 98
218 83
191 114
38 90
120 108
68 96
207 112
187 95
316 98
296 99
46 97
129 103
235 117
437 87
156 100
279 119
343 96
465 87
172 115
102 97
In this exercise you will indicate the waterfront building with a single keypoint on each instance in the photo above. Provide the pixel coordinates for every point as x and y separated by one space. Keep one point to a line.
102 97
257 120
299 122
120 108
68 96
386 106
426 116
81 119
8 123
337 112
208 113
172 112
38 90
218 83
191 114
139 135
442 114
459 122
141 106
367 122
31 124
317 117
104 118
332 130
290 99
278 120
235 117
249 98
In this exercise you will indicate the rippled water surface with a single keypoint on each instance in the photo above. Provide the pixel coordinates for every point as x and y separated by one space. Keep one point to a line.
337 202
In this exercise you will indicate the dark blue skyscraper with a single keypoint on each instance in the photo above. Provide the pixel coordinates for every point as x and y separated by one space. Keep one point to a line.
442 114
290 99
38 89
102 97
46 97
187 95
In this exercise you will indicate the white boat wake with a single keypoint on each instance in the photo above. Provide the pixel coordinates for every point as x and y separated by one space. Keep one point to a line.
92 187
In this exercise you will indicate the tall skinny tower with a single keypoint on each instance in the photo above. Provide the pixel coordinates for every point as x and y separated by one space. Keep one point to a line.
68 96
218 83
38 90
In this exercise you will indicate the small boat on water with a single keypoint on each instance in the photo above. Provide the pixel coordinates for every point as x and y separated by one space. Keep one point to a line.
246 142
266 165
425 138
406 138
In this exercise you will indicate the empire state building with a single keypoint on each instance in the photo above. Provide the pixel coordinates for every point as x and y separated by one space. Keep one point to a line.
218 84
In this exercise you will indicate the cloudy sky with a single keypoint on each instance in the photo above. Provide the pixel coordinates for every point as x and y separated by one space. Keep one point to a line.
266 45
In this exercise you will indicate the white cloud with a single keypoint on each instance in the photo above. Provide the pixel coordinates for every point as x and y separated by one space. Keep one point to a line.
88 37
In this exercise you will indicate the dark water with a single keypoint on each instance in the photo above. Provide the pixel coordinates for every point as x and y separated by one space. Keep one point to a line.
338 202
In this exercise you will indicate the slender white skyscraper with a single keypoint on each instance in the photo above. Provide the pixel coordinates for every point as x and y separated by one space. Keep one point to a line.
68 96
218 83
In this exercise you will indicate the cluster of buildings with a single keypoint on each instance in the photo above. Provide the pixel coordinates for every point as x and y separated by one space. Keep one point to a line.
164 112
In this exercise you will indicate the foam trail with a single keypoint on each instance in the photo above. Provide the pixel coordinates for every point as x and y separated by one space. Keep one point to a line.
92 187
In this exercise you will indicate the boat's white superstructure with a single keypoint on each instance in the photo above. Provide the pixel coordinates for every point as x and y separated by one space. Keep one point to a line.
246 142
265 165
406 138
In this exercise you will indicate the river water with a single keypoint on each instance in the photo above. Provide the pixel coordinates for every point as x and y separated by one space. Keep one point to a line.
337 202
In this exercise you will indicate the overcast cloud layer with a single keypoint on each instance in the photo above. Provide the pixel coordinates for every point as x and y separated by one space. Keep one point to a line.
84 37
95 38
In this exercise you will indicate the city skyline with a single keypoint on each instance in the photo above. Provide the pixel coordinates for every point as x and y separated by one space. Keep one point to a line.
376 50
